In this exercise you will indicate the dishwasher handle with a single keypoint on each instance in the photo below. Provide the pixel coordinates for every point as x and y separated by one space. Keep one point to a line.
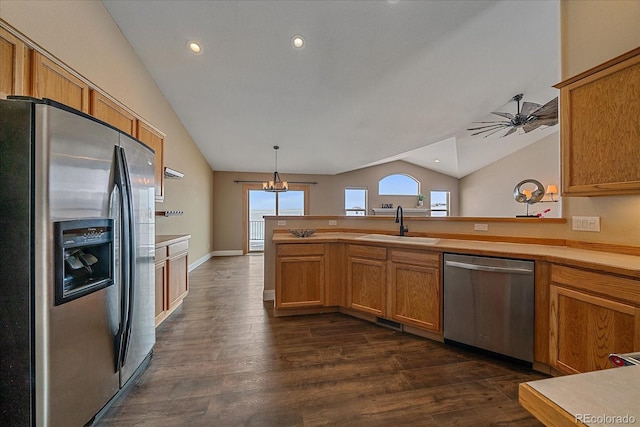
480 267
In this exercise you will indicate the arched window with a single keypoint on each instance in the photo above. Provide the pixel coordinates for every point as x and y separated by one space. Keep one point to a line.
398 185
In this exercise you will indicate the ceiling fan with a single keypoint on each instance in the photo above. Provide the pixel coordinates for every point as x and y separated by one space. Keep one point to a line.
531 117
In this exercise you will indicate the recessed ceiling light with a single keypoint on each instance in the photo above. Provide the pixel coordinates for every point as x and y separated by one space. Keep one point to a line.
437 161
297 42
195 47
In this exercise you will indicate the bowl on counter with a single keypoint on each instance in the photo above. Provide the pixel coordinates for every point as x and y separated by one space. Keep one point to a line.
302 232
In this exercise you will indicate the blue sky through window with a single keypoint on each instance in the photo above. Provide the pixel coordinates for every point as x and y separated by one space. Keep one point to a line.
398 185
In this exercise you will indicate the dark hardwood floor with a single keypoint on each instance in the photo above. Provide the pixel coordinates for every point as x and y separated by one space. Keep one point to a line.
224 360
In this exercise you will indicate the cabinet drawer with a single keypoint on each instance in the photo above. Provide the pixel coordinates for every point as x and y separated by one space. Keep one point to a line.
302 249
161 253
431 259
620 288
178 247
371 252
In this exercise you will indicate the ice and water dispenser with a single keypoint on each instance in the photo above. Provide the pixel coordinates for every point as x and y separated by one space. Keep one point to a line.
84 252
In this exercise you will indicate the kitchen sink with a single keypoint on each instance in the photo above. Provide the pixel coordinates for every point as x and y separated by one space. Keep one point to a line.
402 239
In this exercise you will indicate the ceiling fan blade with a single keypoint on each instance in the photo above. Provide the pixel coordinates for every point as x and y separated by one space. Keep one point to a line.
495 131
496 128
529 107
548 110
505 115
510 131
485 127
547 122
531 126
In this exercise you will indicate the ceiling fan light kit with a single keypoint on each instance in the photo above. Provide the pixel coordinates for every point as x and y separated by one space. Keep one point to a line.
530 117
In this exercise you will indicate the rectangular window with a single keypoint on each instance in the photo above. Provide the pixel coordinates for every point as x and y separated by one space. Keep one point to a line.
355 201
439 203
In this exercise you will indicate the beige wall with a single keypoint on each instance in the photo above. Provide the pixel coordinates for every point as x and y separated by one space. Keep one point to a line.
489 191
83 35
593 32
327 196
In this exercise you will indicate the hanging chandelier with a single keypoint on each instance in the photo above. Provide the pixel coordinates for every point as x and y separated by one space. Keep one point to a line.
276 185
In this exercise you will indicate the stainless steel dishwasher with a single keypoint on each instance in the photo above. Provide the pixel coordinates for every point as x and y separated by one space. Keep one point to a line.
489 304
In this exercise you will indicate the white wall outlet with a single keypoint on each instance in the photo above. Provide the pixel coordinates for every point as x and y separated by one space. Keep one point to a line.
282 222
585 223
333 222
481 227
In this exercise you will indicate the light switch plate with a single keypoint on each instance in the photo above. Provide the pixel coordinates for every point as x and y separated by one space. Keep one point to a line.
481 227
585 223
333 222
282 222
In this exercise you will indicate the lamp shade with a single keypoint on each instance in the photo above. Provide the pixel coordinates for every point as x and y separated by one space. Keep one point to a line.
552 189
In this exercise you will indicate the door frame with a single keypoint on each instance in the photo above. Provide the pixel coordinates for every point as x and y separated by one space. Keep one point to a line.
245 208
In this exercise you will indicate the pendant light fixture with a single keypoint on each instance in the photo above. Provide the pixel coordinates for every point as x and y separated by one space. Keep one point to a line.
276 185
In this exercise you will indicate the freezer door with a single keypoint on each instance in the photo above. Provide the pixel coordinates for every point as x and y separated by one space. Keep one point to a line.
140 162
75 366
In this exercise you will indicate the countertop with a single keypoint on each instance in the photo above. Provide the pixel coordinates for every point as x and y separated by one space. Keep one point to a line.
168 239
628 265
603 398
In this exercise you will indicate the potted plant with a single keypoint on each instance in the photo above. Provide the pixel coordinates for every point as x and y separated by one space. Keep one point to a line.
420 199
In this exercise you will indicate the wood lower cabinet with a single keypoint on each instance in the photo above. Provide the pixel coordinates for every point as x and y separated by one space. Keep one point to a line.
300 276
172 274
415 289
13 52
591 316
367 279
52 81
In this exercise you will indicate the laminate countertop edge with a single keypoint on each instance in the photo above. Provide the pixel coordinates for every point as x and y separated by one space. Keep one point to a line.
169 239
628 265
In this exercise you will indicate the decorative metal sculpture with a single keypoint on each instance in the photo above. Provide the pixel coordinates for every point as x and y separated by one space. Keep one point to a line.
522 196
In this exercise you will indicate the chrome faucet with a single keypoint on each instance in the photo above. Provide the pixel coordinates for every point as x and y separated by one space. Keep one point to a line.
400 219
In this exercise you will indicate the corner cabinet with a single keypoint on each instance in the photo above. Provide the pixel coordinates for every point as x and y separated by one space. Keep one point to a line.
600 130
300 276
416 289
591 316
367 279
172 274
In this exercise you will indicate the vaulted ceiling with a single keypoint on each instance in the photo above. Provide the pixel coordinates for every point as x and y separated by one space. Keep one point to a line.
376 81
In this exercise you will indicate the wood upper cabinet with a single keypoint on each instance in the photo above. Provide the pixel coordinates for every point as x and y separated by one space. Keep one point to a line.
600 129
154 139
109 111
367 279
416 289
300 275
52 81
12 65
591 316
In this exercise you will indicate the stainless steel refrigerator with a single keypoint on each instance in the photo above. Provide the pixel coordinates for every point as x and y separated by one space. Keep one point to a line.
76 263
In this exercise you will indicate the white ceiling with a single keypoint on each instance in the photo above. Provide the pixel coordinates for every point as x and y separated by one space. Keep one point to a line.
376 81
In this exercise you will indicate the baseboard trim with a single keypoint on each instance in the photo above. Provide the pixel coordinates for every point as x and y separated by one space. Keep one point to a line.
227 253
268 295
200 261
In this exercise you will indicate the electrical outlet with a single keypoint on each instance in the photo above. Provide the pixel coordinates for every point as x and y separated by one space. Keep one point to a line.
481 227
585 223
282 222
333 222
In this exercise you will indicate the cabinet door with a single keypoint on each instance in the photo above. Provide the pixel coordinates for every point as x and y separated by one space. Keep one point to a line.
367 279
12 54
110 112
154 139
300 281
54 82
599 129
416 295
161 291
178 279
585 329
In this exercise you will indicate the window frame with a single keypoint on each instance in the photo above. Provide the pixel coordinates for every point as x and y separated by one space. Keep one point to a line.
411 193
366 202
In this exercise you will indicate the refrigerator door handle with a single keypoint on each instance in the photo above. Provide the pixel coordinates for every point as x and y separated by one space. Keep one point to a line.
131 261
120 181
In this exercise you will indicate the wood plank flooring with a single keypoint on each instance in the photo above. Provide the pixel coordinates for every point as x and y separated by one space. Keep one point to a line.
224 360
